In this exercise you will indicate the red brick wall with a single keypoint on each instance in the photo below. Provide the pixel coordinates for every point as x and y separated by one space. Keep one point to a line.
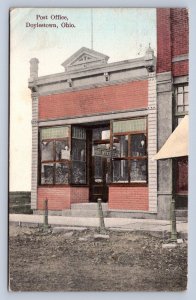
179 31
163 40
96 100
172 40
128 198
180 68
58 197
79 194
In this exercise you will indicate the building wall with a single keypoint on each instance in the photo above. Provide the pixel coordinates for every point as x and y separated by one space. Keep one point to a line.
93 101
128 198
172 66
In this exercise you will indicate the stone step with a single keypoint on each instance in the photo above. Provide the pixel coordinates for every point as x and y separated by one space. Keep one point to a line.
86 213
88 206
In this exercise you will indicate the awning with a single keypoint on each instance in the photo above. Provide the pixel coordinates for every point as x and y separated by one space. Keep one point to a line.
177 143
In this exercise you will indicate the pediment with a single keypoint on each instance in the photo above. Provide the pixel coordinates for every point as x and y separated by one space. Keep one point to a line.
84 58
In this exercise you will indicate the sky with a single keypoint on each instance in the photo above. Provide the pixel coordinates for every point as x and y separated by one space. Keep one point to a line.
120 33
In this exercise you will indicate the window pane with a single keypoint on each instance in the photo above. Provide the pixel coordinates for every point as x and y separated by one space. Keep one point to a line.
180 108
186 108
120 171
120 146
186 88
62 150
138 145
78 150
186 100
47 151
180 99
54 132
138 171
47 172
78 133
129 125
182 179
180 89
102 133
78 172
62 173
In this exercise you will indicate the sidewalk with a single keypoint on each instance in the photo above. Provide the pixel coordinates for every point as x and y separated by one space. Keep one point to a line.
121 224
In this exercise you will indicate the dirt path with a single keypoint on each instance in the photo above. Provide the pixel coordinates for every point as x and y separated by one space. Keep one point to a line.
77 262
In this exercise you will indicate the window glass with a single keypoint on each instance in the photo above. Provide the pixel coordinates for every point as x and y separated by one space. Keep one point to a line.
78 172
138 171
78 150
120 171
47 148
47 173
182 178
62 173
120 146
98 169
180 99
138 145
62 150
78 133
102 150
102 133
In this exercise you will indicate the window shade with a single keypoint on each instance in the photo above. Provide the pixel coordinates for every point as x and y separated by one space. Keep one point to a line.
129 125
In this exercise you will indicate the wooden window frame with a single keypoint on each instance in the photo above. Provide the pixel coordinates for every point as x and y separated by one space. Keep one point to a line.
129 158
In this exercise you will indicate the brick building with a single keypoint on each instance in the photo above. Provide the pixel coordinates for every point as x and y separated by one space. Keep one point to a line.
95 126
172 102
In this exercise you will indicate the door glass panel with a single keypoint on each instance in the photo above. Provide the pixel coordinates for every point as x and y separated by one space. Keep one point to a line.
120 171
138 145
98 169
78 172
138 171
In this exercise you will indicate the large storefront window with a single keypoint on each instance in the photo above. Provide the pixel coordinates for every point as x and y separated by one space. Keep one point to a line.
118 154
78 155
55 155
129 151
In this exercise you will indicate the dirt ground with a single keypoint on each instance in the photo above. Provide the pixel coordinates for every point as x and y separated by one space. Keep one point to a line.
75 261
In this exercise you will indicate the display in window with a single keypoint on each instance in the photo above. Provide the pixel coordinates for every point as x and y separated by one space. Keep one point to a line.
47 148
62 173
138 145
62 150
102 150
138 171
78 172
47 173
120 171
120 146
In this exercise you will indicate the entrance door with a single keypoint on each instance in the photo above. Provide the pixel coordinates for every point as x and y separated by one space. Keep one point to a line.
100 164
